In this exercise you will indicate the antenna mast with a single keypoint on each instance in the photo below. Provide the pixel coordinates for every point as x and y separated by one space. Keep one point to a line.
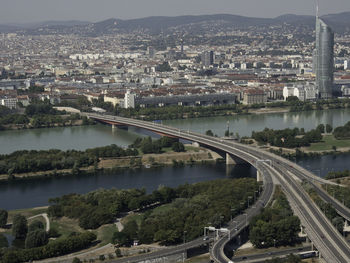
317 8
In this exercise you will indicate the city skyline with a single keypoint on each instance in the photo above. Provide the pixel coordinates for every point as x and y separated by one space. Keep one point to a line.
20 11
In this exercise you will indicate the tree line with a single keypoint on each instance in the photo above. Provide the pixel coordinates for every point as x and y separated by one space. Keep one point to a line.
289 138
340 193
45 160
147 145
275 225
55 248
342 132
38 114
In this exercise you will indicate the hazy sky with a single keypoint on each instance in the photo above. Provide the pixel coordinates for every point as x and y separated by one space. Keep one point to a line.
22 11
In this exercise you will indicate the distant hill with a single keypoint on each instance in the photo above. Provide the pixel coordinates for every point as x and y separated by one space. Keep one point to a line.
156 24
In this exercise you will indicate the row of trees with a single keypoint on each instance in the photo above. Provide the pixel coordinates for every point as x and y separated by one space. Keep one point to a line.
342 132
288 138
39 114
44 160
146 145
190 210
276 225
339 174
34 235
54 248
340 193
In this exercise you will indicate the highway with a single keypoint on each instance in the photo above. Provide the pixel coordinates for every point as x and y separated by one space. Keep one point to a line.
325 237
269 255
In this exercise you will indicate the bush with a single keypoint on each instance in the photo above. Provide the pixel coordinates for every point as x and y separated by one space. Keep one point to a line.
53 233
178 147
76 260
3 241
36 225
53 249
36 238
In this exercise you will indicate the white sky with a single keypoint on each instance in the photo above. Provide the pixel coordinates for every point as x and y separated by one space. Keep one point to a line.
23 11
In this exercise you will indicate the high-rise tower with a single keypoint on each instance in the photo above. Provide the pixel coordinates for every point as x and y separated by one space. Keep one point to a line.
324 55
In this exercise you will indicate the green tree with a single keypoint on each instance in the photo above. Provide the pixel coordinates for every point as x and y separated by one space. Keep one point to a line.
178 147
3 241
35 225
36 238
11 257
329 128
209 133
118 253
321 128
19 227
3 218
76 260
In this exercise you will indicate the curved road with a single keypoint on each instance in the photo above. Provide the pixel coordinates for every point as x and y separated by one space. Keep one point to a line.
326 238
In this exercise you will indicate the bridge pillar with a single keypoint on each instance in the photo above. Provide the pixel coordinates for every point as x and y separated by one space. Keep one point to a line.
184 256
114 126
231 159
259 176
346 226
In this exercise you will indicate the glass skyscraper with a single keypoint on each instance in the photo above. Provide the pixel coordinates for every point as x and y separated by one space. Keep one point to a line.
324 56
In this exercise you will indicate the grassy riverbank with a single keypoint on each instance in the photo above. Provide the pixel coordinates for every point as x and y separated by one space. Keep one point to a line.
328 143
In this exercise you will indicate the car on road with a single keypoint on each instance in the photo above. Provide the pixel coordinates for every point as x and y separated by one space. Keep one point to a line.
205 238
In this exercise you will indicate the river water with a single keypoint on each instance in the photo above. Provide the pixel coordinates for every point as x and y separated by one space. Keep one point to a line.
25 194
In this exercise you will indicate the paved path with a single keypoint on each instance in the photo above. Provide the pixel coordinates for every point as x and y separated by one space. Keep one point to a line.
44 215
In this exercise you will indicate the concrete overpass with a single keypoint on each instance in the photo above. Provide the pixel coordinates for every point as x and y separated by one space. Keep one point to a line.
331 245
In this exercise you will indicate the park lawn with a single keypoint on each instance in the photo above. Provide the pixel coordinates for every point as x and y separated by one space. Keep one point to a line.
27 212
136 217
192 148
327 144
105 233
65 226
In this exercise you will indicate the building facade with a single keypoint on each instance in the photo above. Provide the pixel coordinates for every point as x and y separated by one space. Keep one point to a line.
324 56
9 102
254 96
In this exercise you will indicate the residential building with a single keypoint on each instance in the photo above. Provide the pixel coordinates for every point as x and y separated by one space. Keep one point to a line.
129 100
207 58
9 102
254 96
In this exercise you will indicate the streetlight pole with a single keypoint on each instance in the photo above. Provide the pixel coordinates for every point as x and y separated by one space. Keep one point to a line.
236 227
246 219
232 210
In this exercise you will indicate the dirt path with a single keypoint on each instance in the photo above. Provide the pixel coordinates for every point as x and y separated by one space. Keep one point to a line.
44 215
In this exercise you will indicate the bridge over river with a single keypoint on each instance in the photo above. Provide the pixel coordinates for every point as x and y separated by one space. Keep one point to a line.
273 169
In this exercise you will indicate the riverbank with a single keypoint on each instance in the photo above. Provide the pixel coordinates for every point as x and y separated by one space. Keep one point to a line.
192 155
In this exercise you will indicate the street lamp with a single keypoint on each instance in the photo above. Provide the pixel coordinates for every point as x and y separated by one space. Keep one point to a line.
249 197
232 211
184 237
236 227
246 219
221 219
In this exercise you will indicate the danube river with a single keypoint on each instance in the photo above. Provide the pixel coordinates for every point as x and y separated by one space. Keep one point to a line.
24 194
